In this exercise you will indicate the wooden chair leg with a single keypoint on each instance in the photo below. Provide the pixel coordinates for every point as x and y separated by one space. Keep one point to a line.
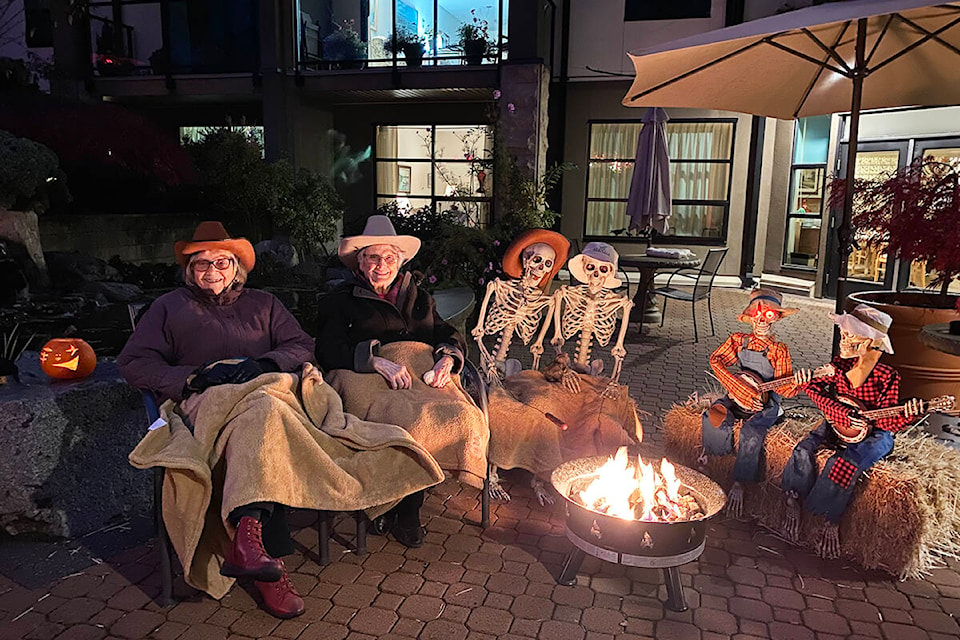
323 535
163 540
361 540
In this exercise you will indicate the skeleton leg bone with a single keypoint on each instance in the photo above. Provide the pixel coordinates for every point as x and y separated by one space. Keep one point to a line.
829 545
497 492
791 521
541 491
735 500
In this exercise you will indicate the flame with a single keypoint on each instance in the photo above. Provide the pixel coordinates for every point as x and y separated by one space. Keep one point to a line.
638 492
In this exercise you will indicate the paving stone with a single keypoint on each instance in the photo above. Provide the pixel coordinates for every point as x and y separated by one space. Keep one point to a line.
575 596
82 632
673 630
403 584
490 621
290 628
75 610
886 598
894 631
787 615
936 621
444 572
826 622
505 583
525 606
866 629
443 630
560 631
751 609
602 620
408 627
372 621
255 623
45 631
745 575
525 627
420 607
455 613
465 595
433 589
191 612
324 631
644 608
136 624
784 631
714 620
340 615
356 596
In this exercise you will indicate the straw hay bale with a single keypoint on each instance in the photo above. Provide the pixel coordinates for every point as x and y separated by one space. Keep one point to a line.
905 514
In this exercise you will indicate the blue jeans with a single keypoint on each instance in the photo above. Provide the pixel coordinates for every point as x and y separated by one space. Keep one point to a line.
829 493
718 440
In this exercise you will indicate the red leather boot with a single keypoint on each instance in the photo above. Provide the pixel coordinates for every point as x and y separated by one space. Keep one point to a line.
246 557
280 598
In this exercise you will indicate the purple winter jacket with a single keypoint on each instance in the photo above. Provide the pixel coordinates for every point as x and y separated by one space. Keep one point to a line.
185 329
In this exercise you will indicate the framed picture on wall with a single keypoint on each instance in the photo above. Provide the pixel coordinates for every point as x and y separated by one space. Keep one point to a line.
808 181
403 178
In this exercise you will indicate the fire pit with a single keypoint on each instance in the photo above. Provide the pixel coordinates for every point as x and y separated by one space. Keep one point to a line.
629 512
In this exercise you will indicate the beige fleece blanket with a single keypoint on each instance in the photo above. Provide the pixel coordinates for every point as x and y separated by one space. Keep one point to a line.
521 436
444 421
277 438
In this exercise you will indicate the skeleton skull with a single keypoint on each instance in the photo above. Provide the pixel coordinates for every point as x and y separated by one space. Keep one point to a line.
538 261
762 318
598 273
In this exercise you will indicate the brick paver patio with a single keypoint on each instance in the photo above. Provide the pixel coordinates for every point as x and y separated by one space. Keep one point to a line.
499 583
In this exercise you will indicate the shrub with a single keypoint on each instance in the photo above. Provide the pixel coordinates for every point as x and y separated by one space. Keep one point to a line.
30 176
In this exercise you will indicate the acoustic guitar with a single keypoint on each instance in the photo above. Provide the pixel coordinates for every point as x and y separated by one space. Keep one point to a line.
763 388
853 434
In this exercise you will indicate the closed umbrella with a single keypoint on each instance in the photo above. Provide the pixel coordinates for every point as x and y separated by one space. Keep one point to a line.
648 204
831 58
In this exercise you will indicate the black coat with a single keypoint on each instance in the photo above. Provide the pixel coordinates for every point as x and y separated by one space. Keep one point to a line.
353 321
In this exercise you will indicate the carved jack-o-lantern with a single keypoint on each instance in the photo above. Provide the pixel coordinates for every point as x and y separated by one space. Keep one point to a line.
67 359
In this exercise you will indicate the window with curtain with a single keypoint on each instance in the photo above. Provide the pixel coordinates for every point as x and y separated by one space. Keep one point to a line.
446 167
701 157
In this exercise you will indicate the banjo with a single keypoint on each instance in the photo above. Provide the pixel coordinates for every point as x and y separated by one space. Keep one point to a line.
853 434
763 389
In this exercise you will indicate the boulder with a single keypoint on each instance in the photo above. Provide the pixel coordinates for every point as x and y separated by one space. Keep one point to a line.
72 269
121 292
20 227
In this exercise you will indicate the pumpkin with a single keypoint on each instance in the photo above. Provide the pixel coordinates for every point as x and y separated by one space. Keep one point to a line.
67 359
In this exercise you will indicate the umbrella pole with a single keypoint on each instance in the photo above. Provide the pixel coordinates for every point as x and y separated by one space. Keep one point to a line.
845 231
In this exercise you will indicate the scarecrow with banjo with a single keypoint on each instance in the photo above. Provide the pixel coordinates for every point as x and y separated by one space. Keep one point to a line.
763 373
861 403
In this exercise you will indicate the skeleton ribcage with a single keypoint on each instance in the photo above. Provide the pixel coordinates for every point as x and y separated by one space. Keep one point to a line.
510 305
582 313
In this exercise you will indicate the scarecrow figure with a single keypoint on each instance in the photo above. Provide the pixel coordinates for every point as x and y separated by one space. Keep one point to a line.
517 307
591 309
760 359
856 374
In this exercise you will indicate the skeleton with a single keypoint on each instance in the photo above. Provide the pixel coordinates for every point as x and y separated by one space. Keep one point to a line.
517 308
591 310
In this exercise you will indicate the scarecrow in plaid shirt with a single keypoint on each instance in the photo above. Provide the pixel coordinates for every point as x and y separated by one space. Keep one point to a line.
857 374
757 353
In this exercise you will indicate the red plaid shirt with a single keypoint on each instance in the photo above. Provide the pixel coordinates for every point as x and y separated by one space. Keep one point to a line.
726 356
881 389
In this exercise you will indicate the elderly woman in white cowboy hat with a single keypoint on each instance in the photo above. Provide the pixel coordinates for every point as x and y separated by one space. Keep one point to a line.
381 322
256 441
857 374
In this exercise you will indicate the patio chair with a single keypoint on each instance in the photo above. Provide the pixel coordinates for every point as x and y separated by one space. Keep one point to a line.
702 286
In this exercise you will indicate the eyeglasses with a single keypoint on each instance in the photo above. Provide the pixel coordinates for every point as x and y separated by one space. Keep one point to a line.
389 259
222 264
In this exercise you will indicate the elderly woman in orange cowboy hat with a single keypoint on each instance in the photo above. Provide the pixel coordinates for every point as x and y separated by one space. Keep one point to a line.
262 438
393 359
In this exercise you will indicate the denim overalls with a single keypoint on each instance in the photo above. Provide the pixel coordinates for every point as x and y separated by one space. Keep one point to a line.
719 440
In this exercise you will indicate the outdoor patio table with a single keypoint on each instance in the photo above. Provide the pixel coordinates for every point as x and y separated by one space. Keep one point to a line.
645 309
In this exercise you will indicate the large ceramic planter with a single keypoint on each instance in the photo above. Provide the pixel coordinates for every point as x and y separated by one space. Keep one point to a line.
924 372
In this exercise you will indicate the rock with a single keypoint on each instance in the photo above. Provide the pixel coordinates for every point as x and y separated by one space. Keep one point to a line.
115 291
65 470
278 251
72 269
21 227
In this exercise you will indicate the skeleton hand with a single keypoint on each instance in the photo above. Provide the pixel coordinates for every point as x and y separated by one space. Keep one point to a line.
395 374
802 377
618 352
439 376
571 381
611 390
477 332
536 349
557 343
913 408
857 421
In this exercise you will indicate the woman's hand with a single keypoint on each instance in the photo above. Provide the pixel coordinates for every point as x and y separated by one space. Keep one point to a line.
440 373
395 374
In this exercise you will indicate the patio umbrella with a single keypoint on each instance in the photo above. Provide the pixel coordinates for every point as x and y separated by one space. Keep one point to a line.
831 58
648 204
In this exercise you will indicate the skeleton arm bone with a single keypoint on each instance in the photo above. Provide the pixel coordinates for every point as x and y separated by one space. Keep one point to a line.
618 352
557 339
485 358
537 347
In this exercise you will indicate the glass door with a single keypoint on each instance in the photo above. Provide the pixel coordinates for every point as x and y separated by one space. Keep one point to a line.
868 268
918 274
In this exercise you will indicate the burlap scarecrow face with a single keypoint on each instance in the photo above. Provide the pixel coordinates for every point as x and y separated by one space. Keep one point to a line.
538 260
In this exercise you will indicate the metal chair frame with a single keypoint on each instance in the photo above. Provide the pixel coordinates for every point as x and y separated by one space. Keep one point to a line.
700 291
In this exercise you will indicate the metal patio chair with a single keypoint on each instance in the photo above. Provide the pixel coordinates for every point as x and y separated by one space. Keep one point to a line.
702 286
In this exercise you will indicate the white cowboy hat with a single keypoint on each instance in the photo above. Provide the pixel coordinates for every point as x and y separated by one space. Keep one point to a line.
598 251
866 322
378 230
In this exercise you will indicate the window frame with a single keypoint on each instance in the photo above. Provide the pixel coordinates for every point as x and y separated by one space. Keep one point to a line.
667 239
794 173
434 198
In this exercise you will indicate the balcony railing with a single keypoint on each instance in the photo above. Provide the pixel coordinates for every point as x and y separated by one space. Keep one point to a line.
151 37
345 34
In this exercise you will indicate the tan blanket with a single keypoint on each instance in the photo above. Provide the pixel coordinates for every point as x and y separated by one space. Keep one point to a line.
522 437
445 421
273 439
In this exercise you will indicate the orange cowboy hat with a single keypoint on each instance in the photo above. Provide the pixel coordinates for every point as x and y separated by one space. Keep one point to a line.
770 299
211 236
513 263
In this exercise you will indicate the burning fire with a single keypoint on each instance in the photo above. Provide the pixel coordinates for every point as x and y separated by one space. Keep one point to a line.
638 492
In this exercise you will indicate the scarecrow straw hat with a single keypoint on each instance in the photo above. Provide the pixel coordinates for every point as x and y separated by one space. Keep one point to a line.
212 236
866 322
378 230
768 298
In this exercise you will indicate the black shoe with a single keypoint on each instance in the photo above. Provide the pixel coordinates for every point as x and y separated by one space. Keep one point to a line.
379 526
411 537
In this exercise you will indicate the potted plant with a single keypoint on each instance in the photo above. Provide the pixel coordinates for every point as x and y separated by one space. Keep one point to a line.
410 44
913 214
344 48
474 39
